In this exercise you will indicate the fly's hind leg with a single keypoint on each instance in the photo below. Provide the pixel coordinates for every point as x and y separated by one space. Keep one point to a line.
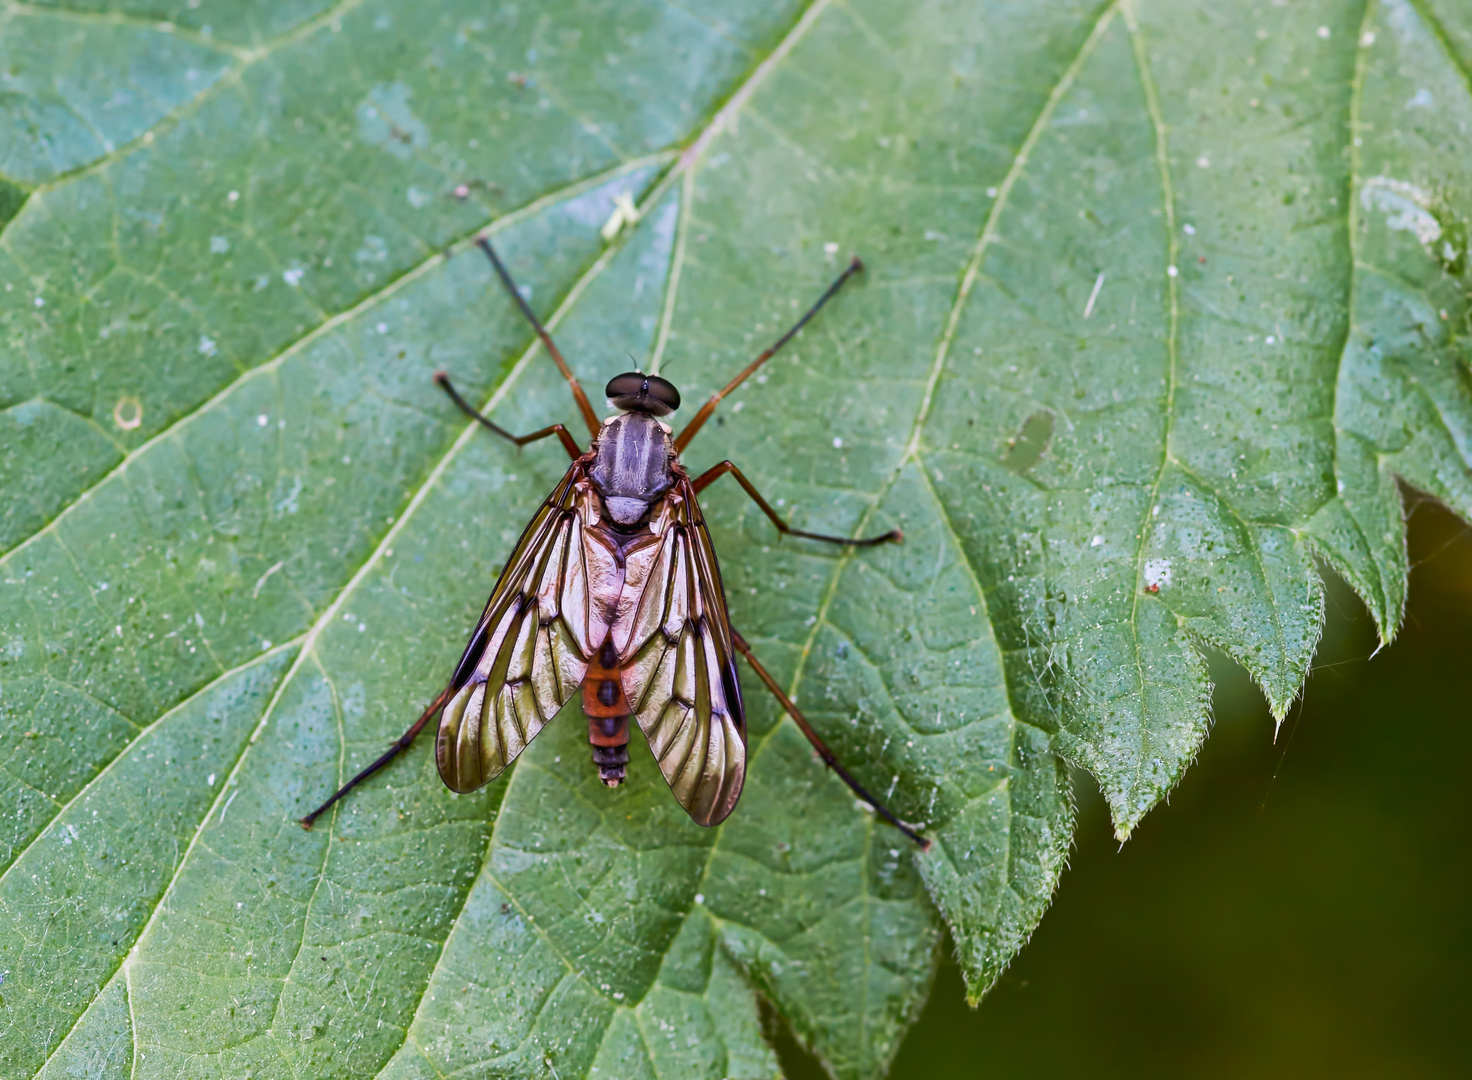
829 758
402 743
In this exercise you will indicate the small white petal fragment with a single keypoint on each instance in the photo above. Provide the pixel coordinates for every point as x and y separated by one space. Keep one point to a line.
624 213
1172 271
1323 31
837 443
207 345
293 277
263 420
1203 162
1096 541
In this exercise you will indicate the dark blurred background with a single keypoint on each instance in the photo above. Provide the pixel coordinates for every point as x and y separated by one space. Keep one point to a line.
1299 908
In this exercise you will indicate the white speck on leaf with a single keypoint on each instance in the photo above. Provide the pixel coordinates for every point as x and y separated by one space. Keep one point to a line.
207 345
1323 31
1094 295
1189 230
219 245
234 196
385 121
1096 541
1404 206
837 443
210 780
1203 162
263 420
1157 572
293 277
1172 271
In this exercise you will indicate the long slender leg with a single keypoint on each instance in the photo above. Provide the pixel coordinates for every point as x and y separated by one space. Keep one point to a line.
705 479
401 744
568 442
683 439
829 758
584 405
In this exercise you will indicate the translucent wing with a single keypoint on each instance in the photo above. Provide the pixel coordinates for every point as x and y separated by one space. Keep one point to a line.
530 649
678 664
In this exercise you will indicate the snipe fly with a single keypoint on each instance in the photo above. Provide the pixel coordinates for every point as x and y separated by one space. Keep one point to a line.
613 592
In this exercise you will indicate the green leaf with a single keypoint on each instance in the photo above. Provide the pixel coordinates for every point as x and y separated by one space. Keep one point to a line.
1161 301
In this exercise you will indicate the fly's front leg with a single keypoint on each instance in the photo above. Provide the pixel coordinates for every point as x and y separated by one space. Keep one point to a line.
568 442
584 405
829 758
710 476
708 409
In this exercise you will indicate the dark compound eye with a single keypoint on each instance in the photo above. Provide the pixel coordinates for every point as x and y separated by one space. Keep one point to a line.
637 392
664 392
629 384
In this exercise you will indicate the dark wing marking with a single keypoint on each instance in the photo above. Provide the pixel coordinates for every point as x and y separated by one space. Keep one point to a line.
529 651
679 668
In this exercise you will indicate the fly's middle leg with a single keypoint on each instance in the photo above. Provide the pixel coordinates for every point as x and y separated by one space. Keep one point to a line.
711 475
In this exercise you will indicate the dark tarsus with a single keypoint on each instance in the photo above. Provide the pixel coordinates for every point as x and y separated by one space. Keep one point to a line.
608 733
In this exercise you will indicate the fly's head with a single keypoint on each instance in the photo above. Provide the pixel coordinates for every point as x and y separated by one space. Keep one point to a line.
633 391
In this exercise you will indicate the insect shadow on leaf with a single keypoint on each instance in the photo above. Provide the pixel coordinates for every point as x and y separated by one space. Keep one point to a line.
614 594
